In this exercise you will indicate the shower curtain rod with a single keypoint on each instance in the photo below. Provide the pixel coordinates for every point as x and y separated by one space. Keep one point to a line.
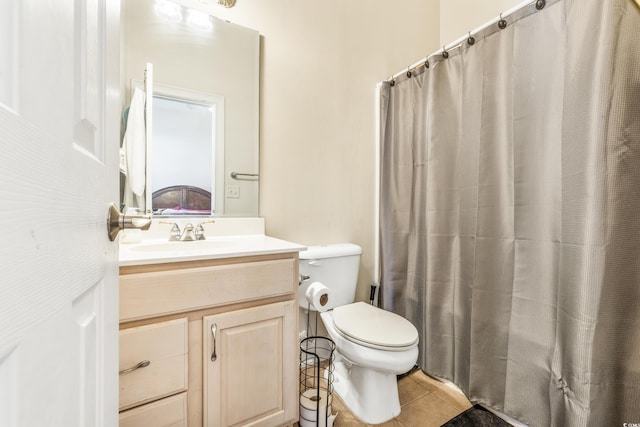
500 22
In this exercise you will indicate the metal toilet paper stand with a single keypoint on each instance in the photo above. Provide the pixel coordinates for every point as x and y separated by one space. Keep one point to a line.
316 382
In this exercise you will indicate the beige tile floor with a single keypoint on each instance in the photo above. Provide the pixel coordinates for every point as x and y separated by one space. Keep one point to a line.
425 402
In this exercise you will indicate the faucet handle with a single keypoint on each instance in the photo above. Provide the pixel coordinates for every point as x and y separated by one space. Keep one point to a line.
200 229
175 233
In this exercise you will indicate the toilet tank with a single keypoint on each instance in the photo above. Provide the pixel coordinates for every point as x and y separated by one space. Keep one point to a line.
335 266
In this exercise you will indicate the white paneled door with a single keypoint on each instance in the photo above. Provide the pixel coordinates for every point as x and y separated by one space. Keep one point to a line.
59 132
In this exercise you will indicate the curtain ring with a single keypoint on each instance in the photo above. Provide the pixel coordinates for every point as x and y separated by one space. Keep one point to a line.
409 72
540 4
445 54
392 81
471 40
502 24
426 62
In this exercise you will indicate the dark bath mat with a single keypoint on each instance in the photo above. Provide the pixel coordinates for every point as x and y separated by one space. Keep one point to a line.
476 416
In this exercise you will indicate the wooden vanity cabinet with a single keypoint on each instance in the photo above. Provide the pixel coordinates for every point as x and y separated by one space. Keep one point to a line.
228 347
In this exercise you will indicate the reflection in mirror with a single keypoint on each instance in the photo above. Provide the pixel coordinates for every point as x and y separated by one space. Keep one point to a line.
181 152
187 153
200 55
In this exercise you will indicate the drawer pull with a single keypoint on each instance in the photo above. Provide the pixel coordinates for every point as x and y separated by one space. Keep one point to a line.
142 364
214 331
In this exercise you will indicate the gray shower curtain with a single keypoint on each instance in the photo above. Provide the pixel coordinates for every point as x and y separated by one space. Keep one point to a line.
510 213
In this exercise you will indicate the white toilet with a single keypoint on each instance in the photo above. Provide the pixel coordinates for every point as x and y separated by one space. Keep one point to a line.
373 345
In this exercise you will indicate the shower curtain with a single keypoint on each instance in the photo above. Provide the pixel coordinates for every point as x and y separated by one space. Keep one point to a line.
510 213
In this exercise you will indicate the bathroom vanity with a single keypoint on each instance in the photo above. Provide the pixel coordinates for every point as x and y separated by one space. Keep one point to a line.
208 333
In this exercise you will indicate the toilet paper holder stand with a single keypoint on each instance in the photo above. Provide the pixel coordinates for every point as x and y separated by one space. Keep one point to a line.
316 382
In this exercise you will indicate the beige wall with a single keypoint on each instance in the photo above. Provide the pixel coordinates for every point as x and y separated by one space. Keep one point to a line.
458 17
321 62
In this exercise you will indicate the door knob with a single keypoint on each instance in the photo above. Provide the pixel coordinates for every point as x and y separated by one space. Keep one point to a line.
116 222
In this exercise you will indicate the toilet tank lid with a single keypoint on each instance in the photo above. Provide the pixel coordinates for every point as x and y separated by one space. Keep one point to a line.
331 251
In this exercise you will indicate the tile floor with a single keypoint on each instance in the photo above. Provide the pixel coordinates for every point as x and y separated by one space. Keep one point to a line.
425 402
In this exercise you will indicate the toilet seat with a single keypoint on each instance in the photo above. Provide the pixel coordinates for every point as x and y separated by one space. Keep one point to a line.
373 327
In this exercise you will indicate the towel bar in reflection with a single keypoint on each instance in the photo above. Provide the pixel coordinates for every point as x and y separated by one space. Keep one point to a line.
238 175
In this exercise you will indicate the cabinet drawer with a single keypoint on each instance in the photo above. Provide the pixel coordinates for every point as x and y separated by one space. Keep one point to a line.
168 412
156 293
164 345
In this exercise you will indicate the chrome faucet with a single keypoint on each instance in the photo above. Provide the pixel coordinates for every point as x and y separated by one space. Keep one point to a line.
188 234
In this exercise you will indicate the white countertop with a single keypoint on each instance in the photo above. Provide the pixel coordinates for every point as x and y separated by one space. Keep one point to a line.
159 251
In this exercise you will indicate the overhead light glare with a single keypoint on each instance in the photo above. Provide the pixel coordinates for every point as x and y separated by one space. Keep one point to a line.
198 20
169 11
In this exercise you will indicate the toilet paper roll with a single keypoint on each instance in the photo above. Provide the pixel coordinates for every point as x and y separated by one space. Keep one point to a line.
311 410
318 296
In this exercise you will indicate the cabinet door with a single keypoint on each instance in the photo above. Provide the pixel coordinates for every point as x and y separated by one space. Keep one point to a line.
250 366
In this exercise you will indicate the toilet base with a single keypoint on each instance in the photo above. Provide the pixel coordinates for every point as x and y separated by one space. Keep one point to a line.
371 396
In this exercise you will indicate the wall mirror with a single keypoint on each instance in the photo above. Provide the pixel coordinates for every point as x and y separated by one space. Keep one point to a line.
203 156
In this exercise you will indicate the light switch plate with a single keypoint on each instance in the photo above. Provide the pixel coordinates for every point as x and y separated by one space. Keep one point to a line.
233 191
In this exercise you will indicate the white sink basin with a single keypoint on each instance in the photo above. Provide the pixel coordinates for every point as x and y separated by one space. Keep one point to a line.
162 251
183 246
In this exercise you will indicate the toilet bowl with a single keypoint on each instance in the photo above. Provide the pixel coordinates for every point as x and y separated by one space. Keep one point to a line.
366 371
373 345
